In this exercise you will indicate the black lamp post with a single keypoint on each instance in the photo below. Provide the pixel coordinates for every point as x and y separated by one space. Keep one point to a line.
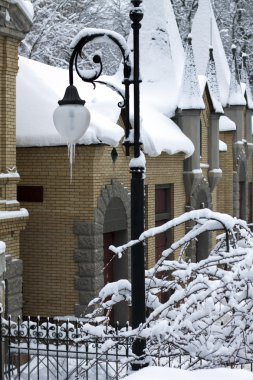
71 99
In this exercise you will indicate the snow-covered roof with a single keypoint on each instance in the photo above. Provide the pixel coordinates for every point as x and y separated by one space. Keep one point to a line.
202 36
222 146
39 87
162 64
235 92
155 140
161 57
213 84
26 6
190 96
245 84
226 124
44 85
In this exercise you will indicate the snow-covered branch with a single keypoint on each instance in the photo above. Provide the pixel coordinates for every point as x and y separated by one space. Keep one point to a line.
207 308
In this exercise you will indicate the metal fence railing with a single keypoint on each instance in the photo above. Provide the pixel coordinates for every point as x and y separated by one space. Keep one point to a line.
43 350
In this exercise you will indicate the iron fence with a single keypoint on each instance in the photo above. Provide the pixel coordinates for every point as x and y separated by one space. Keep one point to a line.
54 350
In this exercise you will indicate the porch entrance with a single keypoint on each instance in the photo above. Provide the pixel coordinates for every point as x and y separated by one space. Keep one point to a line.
115 233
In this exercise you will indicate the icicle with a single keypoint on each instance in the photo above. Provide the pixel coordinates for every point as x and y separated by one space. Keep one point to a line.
71 156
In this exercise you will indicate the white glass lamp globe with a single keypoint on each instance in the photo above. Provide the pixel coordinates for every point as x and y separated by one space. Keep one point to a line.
71 121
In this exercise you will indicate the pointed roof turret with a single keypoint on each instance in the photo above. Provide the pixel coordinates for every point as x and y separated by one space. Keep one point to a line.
190 97
161 56
202 37
213 83
245 85
235 92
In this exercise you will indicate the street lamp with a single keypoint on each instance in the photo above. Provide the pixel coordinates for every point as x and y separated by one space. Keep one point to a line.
71 104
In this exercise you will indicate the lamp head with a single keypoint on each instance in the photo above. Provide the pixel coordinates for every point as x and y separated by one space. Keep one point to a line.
71 118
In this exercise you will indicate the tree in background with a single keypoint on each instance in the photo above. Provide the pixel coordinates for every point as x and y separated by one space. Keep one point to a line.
184 13
234 19
57 22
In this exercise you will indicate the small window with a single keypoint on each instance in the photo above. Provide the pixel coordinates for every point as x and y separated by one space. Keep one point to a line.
200 139
30 194
163 213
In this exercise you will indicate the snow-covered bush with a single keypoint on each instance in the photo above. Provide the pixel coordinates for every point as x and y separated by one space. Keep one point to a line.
209 313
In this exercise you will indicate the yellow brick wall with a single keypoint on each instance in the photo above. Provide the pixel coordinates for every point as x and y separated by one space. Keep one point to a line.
48 242
225 186
8 71
9 228
9 233
204 117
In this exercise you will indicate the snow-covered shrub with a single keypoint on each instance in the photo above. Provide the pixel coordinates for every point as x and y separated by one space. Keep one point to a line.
209 313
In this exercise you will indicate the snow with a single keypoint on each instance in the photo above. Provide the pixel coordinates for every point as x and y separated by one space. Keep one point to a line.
9 175
218 171
190 96
163 373
162 66
26 6
236 96
226 124
162 59
103 37
2 247
222 146
44 85
202 83
138 162
22 213
213 83
246 90
208 313
160 134
201 40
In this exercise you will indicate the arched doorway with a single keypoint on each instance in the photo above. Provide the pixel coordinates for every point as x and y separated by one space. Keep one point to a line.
242 191
115 232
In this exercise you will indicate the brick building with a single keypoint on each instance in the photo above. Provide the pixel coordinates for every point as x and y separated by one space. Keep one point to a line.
15 22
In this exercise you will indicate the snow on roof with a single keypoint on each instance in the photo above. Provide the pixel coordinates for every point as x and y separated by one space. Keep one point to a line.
247 93
222 146
190 96
226 124
202 83
235 92
245 84
26 6
39 87
162 61
22 213
161 57
201 40
2 247
213 84
156 140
